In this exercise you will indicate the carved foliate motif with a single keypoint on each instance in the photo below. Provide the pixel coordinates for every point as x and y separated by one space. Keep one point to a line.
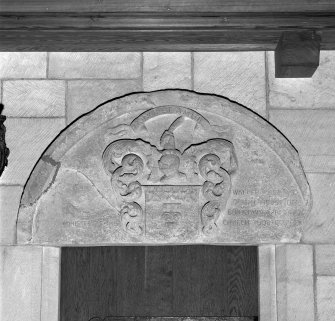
161 178
4 151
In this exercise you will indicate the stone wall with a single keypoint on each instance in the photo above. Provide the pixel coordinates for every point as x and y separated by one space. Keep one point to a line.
43 92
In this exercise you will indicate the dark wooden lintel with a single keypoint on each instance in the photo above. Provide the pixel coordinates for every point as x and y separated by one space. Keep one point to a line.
167 6
158 20
130 31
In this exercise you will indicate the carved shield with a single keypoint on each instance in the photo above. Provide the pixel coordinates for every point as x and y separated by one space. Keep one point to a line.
172 211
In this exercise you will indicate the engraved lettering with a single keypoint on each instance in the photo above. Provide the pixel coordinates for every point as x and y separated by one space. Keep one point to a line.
236 222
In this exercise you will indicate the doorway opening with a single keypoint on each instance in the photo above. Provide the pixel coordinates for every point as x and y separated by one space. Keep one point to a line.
159 283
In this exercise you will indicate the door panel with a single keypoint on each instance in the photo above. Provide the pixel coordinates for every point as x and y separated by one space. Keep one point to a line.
158 281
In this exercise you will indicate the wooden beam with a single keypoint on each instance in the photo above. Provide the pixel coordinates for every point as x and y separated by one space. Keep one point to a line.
297 54
157 31
159 21
160 25
167 6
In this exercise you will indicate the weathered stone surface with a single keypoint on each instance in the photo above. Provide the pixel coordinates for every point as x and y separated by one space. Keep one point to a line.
50 284
312 132
23 64
37 98
314 93
110 65
325 259
325 298
237 75
295 297
85 95
58 220
20 283
166 70
320 224
9 207
267 282
26 139
168 166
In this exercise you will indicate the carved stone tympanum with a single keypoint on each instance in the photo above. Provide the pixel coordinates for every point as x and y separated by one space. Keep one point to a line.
166 167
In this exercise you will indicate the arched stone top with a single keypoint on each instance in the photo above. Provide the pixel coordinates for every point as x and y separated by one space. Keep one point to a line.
169 166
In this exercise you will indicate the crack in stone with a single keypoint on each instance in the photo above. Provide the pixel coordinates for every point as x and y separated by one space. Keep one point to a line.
99 192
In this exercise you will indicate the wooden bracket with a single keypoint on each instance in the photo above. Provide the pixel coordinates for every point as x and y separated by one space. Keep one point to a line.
4 151
297 54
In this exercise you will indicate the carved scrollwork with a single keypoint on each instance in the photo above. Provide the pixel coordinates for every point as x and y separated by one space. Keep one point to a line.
129 191
124 178
217 186
132 167
217 179
209 214
132 218
209 167
128 162
213 191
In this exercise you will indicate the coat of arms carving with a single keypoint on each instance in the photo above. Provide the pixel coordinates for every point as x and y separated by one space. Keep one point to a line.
167 184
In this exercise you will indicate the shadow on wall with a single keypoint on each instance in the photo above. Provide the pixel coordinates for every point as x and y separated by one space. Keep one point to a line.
4 151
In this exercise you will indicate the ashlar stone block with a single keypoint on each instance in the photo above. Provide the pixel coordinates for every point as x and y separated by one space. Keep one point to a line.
23 64
34 98
166 70
295 296
50 296
312 132
239 76
267 282
109 65
320 224
326 298
85 95
20 283
9 206
319 163
325 259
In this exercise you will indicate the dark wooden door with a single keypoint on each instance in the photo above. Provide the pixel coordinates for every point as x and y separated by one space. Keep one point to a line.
170 281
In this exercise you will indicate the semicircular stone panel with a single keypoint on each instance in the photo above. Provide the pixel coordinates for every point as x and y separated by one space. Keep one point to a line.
166 167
